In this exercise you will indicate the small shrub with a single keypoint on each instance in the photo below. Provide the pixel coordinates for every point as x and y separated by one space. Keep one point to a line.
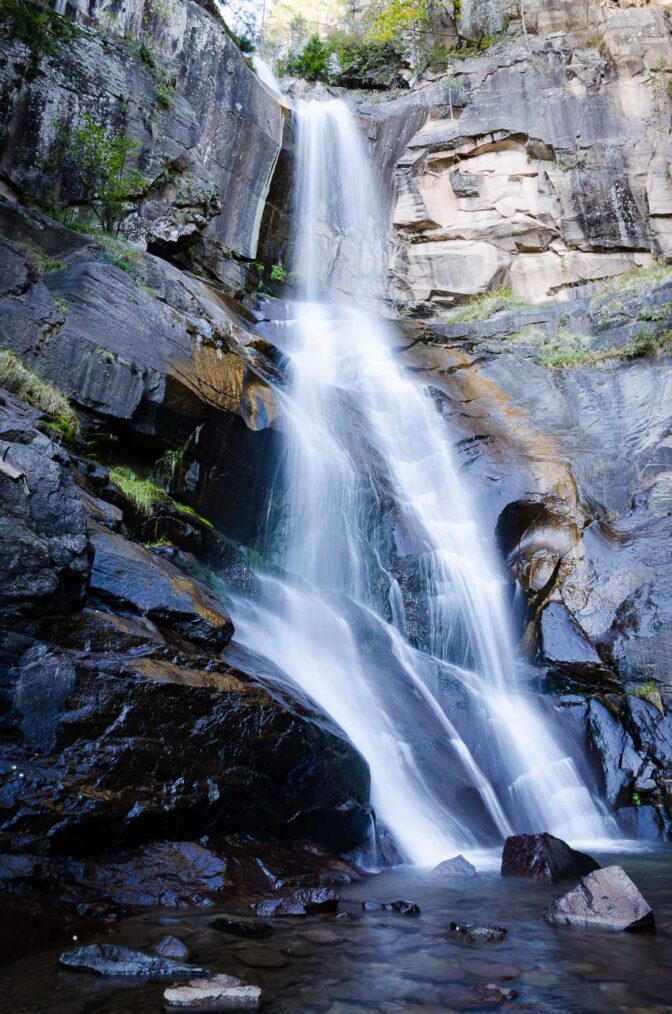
105 354
570 351
41 394
164 95
278 273
97 161
312 63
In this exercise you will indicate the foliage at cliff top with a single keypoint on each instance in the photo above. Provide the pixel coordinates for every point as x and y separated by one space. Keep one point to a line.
41 394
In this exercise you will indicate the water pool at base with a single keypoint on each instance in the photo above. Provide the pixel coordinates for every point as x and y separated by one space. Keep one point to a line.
370 962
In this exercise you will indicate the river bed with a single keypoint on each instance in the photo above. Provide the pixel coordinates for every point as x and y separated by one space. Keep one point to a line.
380 962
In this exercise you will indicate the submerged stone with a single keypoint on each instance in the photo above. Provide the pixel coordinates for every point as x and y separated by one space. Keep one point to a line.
401 907
543 857
116 961
606 899
171 947
477 934
242 928
221 992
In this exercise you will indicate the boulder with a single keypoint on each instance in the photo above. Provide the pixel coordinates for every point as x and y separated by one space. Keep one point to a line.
171 947
221 992
477 934
127 576
543 857
115 961
316 899
401 907
606 899
453 869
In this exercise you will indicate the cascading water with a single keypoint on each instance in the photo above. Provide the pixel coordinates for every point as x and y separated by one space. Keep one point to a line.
391 612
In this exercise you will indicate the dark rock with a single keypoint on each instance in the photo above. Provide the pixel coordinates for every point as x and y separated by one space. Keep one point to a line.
619 760
115 961
245 928
640 822
543 857
492 993
451 869
564 645
477 934
318 899
402 907
171 947
606 899
127 576
44 552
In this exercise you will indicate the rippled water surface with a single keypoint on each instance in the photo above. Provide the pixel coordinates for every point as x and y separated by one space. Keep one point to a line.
390 963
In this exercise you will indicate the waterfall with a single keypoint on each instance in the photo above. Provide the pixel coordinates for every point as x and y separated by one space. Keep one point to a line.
390 609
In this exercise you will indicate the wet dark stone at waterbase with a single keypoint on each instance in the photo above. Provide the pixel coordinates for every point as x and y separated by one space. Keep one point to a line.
477 934
242 928
401 907
544 857
309 899
114 961
606 899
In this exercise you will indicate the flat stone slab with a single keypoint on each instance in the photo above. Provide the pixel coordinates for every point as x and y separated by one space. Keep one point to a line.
221 992
606 899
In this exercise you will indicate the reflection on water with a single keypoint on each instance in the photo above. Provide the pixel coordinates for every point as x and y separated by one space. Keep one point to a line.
395 963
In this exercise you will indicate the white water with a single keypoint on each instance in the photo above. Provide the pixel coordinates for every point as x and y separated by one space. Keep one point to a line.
381 536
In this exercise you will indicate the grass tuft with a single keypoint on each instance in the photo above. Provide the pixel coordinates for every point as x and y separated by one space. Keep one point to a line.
41 394
486 305
568 351
145 494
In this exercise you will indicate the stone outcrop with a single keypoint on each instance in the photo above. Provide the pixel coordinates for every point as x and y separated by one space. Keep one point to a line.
543 166
123 722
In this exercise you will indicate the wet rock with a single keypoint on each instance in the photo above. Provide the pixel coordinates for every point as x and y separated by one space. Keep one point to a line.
452 869
492 993
171 947
221 992
317 899
44 550
477 934
543 857
115 961
321 935
402 907
127 576
245 928
606 899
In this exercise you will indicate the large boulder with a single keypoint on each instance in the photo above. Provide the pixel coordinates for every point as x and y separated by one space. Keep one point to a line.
606 899
543 857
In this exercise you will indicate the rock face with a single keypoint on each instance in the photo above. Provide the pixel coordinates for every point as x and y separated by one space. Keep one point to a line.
606 899
122 723
542 166
179 87
543 857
